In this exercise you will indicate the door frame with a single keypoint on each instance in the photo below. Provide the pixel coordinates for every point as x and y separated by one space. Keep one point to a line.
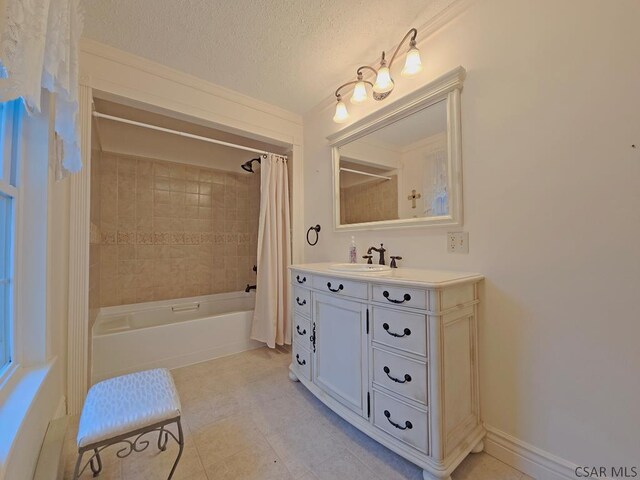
115 75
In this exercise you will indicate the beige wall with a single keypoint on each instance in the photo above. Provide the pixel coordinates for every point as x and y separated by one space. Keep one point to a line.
551 195
170 230
369 201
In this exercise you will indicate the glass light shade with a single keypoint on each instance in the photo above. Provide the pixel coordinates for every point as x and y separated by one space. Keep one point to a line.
342 114
359 93
412 64
383 83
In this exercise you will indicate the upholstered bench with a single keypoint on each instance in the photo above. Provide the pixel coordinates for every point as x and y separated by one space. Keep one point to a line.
125 409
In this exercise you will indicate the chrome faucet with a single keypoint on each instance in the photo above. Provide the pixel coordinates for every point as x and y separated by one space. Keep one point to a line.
381 251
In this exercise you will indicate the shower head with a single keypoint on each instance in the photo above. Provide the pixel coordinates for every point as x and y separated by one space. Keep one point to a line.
248 166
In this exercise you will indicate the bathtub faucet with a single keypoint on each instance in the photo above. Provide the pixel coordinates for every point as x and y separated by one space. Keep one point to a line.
249 288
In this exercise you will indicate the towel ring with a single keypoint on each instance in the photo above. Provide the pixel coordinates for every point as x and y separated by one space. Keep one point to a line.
314 229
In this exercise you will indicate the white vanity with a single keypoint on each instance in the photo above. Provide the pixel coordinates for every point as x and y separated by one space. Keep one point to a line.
394 353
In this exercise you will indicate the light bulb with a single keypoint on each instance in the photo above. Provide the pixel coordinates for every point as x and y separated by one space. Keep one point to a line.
383 83
412 64
359 93
342 115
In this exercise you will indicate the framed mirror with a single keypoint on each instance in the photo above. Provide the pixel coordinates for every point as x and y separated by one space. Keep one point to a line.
402 165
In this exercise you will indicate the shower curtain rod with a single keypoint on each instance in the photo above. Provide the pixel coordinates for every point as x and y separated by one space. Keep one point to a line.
177 132
342 169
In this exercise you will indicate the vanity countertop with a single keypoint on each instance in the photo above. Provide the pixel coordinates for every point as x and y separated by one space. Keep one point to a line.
402 276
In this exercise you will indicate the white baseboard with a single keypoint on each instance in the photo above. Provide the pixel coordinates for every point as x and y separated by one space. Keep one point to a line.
531 460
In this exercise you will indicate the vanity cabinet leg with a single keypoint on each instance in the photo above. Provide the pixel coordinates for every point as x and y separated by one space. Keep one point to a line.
479 447
429 476
292 376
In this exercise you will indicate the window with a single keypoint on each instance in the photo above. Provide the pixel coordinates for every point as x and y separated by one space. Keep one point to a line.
9 126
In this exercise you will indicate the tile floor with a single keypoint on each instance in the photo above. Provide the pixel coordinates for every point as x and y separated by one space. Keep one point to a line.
244 419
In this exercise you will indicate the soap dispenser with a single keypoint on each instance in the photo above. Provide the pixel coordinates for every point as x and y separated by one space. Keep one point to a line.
353 252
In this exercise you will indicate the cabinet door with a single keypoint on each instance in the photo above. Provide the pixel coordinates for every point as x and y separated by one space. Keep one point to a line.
340 357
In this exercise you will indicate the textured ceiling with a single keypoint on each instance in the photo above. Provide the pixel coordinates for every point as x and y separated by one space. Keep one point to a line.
289 53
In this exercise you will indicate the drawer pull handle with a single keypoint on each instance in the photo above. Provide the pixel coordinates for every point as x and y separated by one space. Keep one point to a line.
304 279
303 362
406 297
406 332
302 304
407 377
407 425
340 287
303 332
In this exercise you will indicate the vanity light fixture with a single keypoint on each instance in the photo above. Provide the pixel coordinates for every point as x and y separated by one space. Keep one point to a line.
384 84
359 94
342 115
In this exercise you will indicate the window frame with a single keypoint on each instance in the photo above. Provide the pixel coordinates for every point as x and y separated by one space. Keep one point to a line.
11 125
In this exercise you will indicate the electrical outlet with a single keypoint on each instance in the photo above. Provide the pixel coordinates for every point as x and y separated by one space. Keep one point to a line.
458 242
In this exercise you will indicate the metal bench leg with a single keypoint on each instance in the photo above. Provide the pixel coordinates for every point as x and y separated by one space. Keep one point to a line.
96 458
181 444
163 438
76 470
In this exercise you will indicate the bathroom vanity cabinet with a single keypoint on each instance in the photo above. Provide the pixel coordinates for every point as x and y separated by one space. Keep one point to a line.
396 355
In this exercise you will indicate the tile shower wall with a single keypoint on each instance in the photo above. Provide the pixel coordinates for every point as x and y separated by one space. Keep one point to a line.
370 201
170 230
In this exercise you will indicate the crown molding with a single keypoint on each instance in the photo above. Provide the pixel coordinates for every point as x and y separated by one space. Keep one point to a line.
443 17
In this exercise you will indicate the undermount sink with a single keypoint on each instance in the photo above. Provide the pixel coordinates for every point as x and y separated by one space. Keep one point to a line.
360 268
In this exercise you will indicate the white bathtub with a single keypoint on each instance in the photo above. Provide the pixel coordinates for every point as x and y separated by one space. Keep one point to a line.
171 333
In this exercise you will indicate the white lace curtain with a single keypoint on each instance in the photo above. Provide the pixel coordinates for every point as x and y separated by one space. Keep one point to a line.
39 41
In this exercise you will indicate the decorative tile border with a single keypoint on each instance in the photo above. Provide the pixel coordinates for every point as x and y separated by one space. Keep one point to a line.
94 234
108 238
172 238
126 238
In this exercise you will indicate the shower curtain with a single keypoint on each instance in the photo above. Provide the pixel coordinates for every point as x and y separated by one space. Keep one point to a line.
271 314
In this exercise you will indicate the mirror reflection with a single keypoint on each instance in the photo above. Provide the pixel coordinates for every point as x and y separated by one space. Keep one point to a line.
397 172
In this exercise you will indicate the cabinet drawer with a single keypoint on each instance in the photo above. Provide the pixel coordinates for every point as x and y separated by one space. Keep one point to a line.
406 297
400 374
402 421
301 360
406 331
302 330
340 286
452 297
302 301
300 278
